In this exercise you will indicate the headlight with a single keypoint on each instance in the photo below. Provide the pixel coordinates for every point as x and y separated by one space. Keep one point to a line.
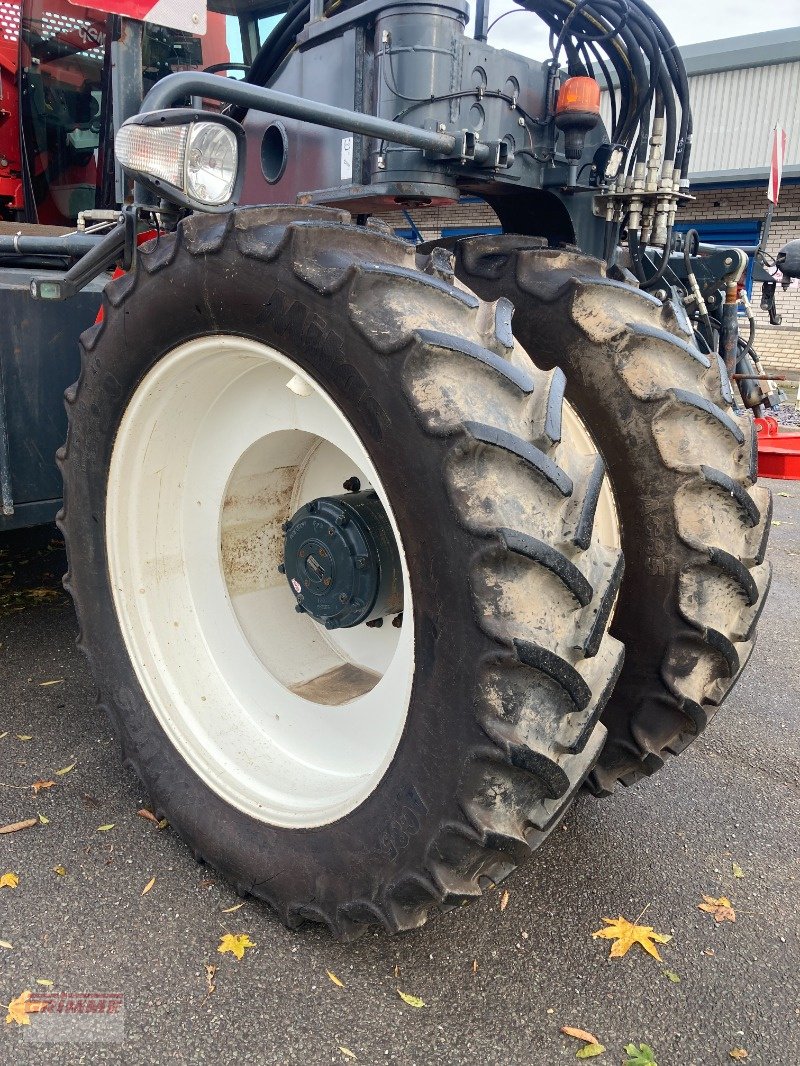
191 157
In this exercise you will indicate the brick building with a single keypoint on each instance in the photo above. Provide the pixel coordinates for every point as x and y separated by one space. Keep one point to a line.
740 89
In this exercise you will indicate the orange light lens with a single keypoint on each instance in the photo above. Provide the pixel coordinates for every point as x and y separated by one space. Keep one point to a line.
579 94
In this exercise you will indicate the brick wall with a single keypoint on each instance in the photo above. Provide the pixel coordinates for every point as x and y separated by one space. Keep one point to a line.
778 346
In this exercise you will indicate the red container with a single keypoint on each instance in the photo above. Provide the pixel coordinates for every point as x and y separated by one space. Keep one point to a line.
778 453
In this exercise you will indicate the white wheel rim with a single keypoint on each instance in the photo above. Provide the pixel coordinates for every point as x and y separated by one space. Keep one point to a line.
222 441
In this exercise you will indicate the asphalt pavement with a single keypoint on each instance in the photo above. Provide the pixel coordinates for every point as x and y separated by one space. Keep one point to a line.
497 983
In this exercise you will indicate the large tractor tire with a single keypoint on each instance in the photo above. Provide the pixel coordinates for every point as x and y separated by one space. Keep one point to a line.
249 369
682 467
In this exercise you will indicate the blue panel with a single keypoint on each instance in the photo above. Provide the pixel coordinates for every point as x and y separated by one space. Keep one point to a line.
469 231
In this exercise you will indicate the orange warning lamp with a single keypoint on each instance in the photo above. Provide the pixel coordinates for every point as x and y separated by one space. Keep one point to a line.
577 112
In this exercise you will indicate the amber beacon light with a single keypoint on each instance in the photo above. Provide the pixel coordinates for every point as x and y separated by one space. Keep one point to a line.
577 112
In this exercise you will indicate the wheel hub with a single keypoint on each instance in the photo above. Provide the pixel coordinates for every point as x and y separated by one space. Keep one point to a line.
341 560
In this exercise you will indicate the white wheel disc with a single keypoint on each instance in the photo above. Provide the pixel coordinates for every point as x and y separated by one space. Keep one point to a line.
221 443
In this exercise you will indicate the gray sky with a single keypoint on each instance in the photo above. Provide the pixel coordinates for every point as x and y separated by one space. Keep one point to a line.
689 21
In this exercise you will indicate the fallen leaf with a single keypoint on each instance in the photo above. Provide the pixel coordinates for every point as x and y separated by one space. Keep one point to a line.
37 786
7 945
230 910
776 523
412 1001
738 1053
236 944
23 736
672 976
16 826
348 1054
47 684
43 820
721 908
737 870
66 769
105 828
474 965
148 886
788 495
396 970
643 1056
579 1034
60 871
335 979
589 1051
43 981
9 880
504 900
21 1007
163 824
3 735
210 985
626 934
144 813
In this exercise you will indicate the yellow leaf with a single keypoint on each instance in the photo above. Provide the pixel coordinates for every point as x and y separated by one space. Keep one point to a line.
148 886
737 870
60 871
23 736
579 1034
738 1053
590 1051
230 910
46 684
348 1054
335 979
21 1007
37 786
236 944
412 1001
66 769
3 735
721 909
43 981
163 823
672 976
105 828
43 820
625 934
9 880
7 945
504 900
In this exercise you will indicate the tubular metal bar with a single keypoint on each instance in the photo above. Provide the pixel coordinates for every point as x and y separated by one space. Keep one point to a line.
72 245
176 87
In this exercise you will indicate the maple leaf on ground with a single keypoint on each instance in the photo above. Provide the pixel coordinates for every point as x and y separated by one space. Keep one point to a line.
37 786
236 944
641 1056
21 1007
625 934
9 880
738 1053
721 909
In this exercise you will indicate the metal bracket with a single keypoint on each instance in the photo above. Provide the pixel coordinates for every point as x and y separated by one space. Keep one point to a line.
119 246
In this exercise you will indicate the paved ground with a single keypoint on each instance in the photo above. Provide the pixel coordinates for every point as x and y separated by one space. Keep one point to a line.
733 798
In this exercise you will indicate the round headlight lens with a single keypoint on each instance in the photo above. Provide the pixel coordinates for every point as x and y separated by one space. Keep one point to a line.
212 160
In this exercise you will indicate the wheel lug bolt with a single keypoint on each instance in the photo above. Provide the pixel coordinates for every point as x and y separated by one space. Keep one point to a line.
330 532
352 485
326 581
342 520
361 562
281 568
300 599
342 597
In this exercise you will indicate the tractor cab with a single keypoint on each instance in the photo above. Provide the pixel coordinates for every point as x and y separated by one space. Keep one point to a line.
65 86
